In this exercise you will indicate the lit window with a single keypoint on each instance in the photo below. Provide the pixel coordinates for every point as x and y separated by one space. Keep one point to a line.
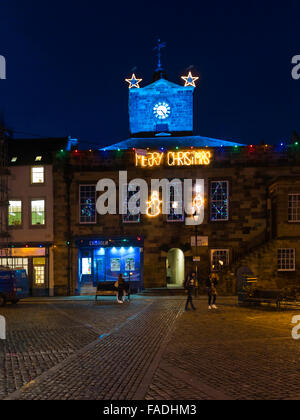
286 259
37 212
38 158
219 259
87 204
135 215
219 207
14 159
86 266
39 275
294 208
15 263
37 175
15 213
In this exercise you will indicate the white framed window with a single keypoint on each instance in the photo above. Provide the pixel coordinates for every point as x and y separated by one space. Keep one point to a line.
14 263
219 201
175 203
130 217
286 259
37 175
15 213
219 258
37 212
39 275
294 207
87 204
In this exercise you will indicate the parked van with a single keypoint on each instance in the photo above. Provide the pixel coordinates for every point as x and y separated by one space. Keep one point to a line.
13 285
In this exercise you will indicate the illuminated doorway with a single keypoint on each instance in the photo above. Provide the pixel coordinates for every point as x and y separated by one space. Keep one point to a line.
175 268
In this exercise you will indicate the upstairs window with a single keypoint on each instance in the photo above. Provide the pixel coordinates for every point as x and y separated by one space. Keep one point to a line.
294 208
15 213
176 203
37 212
219 207
87 204
286 259
38 175
130 217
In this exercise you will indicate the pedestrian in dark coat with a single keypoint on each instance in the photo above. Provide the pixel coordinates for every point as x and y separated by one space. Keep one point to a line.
211 285
190 287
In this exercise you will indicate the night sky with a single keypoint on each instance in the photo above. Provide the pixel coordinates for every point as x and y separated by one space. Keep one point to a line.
67 61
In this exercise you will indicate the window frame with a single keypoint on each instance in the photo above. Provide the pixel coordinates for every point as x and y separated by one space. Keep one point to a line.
128 215
31 175
227 250
294 260
45 211
211 201
182 220
79 204
21 224
297 220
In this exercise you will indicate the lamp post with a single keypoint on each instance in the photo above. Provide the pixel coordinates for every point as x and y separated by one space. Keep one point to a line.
196 216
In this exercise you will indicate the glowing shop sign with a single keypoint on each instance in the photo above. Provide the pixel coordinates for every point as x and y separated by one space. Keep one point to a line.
178 158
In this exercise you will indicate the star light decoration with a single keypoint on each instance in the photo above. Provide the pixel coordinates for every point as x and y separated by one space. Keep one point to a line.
134 82
190 80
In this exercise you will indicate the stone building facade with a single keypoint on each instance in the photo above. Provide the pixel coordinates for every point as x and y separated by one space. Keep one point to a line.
260 229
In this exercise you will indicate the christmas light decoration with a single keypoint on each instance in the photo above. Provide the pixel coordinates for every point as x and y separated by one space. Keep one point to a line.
178 158
153 206
190 80
134 82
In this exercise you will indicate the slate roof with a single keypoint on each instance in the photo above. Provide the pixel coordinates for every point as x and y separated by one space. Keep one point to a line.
170 143
26 150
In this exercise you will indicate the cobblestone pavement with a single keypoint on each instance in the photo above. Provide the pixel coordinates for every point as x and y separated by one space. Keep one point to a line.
149 349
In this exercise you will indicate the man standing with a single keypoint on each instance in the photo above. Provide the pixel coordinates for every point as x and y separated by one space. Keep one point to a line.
190 286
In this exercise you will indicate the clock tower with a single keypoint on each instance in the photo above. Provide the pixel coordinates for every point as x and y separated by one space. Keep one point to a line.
161 107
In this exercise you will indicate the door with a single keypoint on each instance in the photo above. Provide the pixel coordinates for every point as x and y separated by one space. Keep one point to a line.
100 270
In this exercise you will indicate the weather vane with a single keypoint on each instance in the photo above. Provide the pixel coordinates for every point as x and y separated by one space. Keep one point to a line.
160 46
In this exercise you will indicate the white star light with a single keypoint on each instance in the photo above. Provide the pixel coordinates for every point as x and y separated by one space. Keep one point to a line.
134 82
190 80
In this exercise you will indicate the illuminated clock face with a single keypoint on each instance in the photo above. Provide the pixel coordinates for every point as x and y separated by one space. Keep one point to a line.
162 110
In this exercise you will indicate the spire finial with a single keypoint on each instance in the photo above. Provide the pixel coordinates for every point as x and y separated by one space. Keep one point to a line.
160 46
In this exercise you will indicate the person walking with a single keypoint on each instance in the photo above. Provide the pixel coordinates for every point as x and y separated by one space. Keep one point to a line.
211 284
189 286
196 284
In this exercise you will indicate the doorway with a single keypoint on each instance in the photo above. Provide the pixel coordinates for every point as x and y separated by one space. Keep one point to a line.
175 266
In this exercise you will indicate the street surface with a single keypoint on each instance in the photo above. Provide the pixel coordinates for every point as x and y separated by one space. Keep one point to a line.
149 349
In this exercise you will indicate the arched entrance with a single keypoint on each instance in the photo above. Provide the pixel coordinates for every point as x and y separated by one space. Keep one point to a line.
175 268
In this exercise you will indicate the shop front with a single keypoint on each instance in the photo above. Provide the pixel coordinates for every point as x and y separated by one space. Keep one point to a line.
103 260
35 260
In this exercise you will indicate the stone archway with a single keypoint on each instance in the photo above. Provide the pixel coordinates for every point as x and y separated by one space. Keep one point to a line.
175 266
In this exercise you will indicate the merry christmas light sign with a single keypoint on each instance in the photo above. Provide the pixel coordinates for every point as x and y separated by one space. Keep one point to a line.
178 158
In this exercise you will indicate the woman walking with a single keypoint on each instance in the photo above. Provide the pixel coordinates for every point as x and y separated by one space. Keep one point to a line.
211 284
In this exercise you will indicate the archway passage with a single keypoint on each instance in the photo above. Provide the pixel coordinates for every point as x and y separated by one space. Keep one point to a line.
175 268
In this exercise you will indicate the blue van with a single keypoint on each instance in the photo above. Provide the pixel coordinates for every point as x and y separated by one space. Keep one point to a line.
13 285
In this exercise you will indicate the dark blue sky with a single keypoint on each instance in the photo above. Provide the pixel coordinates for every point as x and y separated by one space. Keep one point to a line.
67 61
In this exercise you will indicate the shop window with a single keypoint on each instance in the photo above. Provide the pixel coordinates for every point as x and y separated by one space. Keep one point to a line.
15 263
286 259
37 212
219 259
87 204
39 275
175 203
38 175
219 208
129 217
15 213
294 208
86 268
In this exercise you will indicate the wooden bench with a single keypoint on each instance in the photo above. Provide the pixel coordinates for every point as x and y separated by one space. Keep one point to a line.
109 289
263 296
